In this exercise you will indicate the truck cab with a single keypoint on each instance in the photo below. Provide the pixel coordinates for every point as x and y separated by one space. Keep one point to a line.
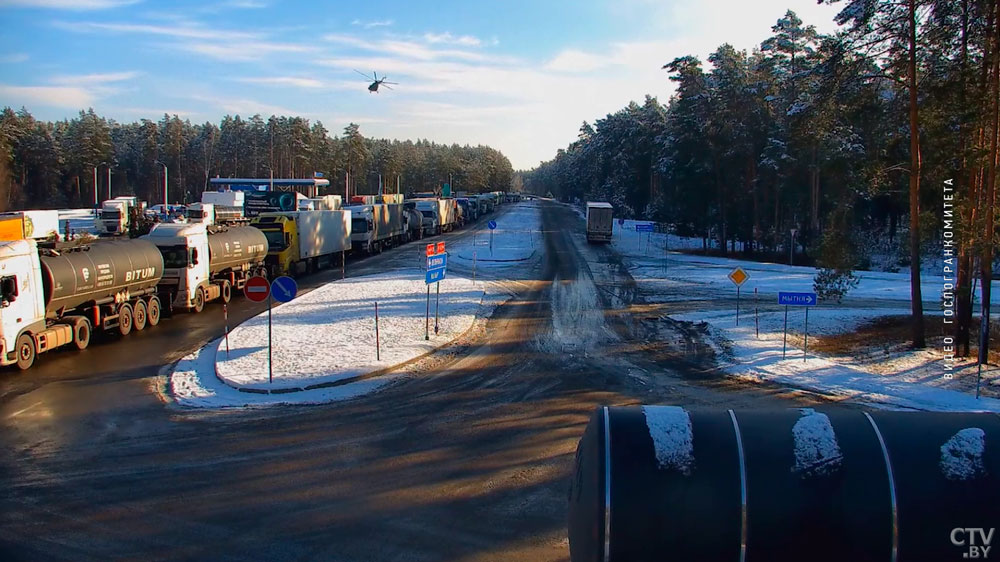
22 308
185 263
430 211
282 243
364 230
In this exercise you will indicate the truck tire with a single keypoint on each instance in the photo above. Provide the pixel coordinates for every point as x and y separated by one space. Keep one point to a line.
140 316
199 300
81 333
25 351
125 319
226 292
153 311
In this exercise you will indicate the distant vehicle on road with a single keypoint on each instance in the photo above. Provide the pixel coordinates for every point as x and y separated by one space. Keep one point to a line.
600 221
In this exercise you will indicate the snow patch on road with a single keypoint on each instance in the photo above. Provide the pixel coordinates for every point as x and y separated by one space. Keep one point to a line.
816 450
193 384
673 440
962 455
577 317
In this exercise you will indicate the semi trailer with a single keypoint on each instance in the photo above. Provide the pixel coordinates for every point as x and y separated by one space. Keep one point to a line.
376 227
203 263
40 225
439 215
52 298
600 221
213 213
304 241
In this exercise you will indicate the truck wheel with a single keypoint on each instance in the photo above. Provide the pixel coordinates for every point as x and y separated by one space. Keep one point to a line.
81 333
25 351
153 311
199 300
125 319
140 316
226 292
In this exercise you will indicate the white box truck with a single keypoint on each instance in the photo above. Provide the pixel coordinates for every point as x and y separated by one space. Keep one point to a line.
376 227
304 241
600 221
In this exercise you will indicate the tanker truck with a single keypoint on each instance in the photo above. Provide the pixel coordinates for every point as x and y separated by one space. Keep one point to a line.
52 298
203 263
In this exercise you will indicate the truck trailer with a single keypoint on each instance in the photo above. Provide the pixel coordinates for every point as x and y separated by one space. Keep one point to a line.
203 263
376 227
40 225
439 215
304 241
212 213
53 298
600 221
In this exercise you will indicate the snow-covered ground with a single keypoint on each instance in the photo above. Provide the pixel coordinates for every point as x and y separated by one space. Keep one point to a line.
328 335
883 375
80 220
517 239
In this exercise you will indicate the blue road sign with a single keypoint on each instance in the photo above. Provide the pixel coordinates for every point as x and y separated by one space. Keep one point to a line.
437 261
797 299
492 225
644 227
284 289
434 275
621 222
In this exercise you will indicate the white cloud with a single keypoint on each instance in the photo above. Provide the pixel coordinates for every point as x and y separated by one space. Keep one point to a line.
245 106
181 31
74 5
13 58
239 50
295 81
93 79
449 39
572 60
53 96
371 24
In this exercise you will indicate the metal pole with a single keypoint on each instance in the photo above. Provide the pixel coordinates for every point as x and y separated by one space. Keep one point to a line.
109 182
805 347
95 187
491 241
737 305
791 250
473 265
165 194
225 316
784 339
756 304
437 306
427 318
270 365
378 351
343 264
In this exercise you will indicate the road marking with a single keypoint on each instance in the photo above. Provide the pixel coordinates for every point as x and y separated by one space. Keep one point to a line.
23 410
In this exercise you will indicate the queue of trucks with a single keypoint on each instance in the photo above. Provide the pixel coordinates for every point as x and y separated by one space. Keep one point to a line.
58 293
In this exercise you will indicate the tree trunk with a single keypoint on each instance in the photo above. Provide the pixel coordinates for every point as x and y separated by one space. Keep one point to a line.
963 279
916 301
814 190
986 259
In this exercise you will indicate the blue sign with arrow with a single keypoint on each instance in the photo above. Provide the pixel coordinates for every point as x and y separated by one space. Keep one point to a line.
435 275
437 261
644 227
797 299
492 225
284 289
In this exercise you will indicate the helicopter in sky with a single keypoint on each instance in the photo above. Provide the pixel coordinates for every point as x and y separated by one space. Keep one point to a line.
376 81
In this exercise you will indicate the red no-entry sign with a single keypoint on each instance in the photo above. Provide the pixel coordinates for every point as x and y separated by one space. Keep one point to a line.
257 289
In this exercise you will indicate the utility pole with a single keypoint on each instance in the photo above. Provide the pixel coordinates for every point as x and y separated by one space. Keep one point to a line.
165 184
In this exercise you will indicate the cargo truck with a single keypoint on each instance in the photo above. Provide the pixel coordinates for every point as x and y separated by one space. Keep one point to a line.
439 215
304 241
203 263
324 203
600 221
18 225
376 227
115 215
49 299
211 213
413 220
224 198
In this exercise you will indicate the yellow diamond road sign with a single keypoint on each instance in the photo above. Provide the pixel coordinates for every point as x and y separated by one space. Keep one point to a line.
738 276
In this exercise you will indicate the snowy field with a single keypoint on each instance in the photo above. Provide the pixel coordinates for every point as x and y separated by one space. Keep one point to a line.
328 335
80 221
882 375
517 239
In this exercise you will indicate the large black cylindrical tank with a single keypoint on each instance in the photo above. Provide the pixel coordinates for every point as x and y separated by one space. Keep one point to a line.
235 246
664 483
98 272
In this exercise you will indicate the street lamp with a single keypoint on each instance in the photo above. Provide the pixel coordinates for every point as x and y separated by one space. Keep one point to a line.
164 188
96 203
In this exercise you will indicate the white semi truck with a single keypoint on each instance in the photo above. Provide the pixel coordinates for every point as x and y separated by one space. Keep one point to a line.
439 215
114 216
376 227
53 298
203 263
213 213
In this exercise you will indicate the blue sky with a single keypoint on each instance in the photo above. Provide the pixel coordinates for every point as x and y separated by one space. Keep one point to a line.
518 75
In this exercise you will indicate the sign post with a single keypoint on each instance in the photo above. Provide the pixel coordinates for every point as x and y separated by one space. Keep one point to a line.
796 299
378 351
257 289
643 227
282 289
437 265
225 318
738 276
493 226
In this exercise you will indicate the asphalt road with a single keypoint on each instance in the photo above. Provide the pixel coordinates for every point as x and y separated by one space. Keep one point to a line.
466 460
